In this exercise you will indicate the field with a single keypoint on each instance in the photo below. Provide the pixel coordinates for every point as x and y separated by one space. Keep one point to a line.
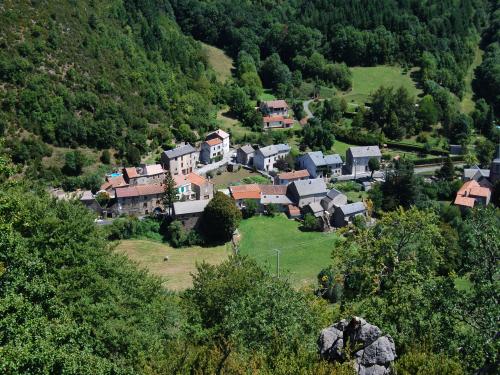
227 178
219 61
302 254
176 272
366 80
467 104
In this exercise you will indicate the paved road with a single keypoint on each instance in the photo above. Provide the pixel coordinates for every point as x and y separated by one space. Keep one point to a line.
308 112
212 167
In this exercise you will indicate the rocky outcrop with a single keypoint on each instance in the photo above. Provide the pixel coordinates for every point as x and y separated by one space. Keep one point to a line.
370 351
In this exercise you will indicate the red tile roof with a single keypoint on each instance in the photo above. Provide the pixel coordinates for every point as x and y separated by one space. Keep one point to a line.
273 118
114 182
293 210
273 189
280 103
469 190
131 172
180 180
288 121
303 173
139 190
196 179
214 141
251 191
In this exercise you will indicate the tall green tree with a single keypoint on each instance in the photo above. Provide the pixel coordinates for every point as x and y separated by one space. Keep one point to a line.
220 218
170 194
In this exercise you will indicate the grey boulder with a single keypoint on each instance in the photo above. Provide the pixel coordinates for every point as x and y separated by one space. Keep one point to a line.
371 352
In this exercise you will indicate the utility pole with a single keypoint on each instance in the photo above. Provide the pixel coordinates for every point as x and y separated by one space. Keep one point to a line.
277 262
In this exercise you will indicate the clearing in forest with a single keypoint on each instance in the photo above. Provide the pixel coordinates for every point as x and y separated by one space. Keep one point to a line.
221 63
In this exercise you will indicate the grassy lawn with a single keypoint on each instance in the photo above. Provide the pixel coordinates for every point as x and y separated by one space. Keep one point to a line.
227 178
302 254
176 272
219 61
467 104
340 147
356 196
366 80
267 95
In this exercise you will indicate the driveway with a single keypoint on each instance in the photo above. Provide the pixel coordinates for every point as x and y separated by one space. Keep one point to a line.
308 112
214 166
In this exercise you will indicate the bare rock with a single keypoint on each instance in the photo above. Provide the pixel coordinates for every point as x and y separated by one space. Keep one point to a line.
370 350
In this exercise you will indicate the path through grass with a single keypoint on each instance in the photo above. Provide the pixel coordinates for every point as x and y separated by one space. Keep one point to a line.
221 63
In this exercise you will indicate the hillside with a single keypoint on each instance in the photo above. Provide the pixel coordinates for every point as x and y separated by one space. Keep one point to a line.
100 74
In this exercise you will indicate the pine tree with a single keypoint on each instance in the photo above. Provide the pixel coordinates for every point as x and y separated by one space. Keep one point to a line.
170 192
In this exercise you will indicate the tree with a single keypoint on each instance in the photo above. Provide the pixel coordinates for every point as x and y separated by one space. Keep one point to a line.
310 223
332 110
274 72
447 171
373 165
485 150
170 194
220 218
400 187
427 112
74 163
177 234
133 155
105 157
251 208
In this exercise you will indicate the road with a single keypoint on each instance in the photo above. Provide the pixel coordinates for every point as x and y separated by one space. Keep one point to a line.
308 112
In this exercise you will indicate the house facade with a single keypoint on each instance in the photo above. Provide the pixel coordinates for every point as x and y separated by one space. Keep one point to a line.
319 165
276 122
274 108
139 200
357 158
333 200
181 160
145 174
265 157
245 154
304 192
241 193
201 187
471 194
216 145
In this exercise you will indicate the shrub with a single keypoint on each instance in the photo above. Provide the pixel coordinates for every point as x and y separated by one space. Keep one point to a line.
310 223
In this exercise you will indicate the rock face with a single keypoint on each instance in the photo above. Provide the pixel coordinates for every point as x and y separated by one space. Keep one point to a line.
371 351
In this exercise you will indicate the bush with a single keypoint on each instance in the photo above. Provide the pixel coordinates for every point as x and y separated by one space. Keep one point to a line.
179 237
124 228
251 208
348 186
310 223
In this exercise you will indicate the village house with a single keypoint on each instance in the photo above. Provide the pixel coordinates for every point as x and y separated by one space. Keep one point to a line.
277 122
200 186
145 174
89 201
240 193
189 213
112 183
357 158
183 186
138 200
319 165
303 192
245 154
274 108
181 160
344 215
333 200
265 157
477 174
472 193
275 195
287 177
215 146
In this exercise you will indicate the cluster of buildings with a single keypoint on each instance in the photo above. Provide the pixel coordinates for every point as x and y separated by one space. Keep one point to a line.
300 195
316 162
478 184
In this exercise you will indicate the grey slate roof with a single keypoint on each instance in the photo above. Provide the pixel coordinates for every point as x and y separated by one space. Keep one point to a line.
310 187
275 199
471 172
333 193
316 208
273 149
320 160
352 208
247 149
333 159
179 151
365 151
190 207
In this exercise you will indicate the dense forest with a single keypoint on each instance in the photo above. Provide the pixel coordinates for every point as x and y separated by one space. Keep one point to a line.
111 74
440 35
